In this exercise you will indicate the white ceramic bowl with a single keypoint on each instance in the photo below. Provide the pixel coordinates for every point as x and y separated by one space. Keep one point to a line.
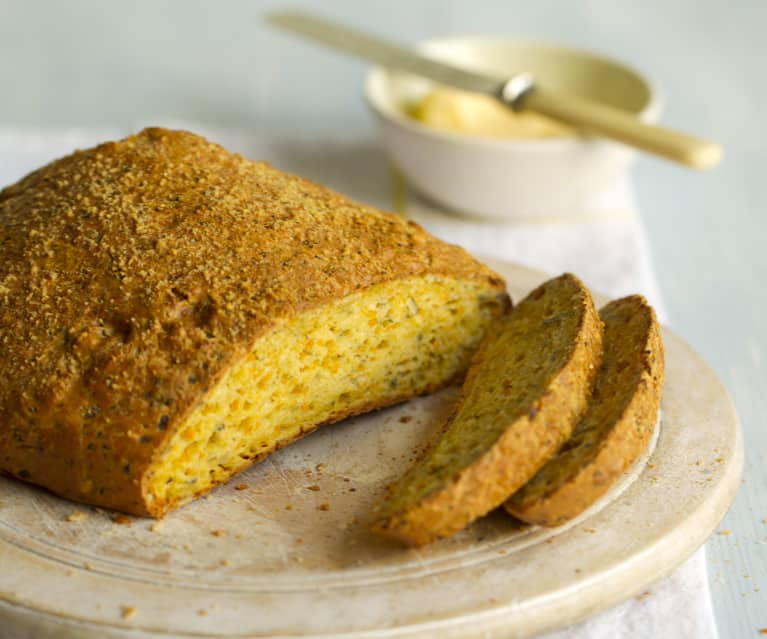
508 178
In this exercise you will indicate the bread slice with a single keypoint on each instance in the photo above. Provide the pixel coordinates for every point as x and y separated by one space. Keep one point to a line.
616 427
528 384
171 312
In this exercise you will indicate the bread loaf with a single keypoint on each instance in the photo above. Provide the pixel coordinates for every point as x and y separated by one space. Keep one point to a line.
527 385
616 427
172 312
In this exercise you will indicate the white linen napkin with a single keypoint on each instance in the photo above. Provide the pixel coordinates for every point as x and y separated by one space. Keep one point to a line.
604 244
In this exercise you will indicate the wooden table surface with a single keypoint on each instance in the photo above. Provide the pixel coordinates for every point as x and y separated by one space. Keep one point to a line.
105 63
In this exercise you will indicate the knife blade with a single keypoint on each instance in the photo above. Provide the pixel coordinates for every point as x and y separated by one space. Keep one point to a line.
383 52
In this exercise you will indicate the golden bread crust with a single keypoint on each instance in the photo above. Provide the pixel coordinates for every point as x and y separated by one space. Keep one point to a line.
133 274
616 427
528 433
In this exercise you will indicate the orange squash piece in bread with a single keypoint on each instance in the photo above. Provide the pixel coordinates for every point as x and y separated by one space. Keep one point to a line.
171 312
525 390
616 427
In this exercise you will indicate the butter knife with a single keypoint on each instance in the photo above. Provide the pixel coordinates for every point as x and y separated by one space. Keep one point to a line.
519 92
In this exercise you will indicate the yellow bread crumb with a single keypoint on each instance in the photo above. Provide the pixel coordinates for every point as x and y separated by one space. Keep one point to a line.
127 612
301 375
77 515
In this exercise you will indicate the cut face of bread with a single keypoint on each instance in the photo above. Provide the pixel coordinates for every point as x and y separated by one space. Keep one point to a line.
391 342
526 387
170 312
616 427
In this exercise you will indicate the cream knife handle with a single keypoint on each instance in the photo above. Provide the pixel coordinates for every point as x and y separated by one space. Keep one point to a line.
619 125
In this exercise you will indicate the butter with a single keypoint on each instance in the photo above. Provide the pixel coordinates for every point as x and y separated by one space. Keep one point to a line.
475 114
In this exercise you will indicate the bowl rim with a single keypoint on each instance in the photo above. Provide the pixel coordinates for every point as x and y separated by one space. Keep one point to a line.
650 112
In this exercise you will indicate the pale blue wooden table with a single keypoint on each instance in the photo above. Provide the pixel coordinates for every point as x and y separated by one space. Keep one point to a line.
104 63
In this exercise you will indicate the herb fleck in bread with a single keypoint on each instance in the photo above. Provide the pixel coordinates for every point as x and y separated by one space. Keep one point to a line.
616 427
527 386
171 312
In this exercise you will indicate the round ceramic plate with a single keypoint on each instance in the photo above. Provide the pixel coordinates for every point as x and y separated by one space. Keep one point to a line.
283 550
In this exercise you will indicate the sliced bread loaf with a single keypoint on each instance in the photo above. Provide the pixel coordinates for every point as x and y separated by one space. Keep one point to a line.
171 312
527 386
616 427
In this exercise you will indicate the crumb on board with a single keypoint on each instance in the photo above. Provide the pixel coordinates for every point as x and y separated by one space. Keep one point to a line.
643 595
122 519
127 612
590 530
71 573
405 419
88 565
324 506
224 562
319 467
763 631
241 487
218 532
202 612
726 531
313 487
156 526
77 515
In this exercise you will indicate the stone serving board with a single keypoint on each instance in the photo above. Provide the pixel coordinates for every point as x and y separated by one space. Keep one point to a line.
283 551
